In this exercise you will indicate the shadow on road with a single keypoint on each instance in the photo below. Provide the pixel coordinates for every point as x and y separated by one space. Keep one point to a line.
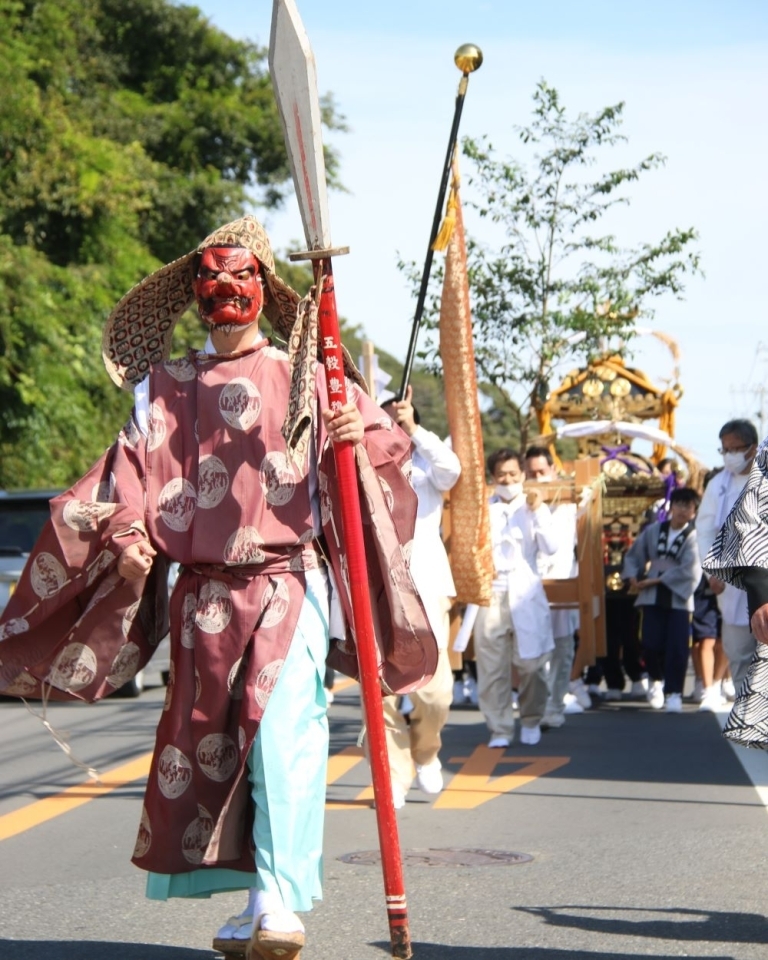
97 950
438 951
689 925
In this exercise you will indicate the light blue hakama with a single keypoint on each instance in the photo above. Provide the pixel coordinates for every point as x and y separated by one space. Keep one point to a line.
287 770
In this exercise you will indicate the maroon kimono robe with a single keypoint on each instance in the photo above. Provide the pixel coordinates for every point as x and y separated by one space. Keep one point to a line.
214 488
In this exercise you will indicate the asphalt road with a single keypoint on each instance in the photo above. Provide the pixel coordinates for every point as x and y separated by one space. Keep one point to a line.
643 834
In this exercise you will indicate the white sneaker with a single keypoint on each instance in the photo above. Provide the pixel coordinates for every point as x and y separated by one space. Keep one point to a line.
712 699
398 796
498 742
639 689
552 720
675 703
728 689
612 693
429 777
530 736
571 704
470 690
656 695
580 692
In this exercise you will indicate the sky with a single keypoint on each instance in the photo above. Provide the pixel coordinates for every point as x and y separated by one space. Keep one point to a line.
694 78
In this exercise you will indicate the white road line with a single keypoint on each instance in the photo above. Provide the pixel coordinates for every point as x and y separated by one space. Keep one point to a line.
754 762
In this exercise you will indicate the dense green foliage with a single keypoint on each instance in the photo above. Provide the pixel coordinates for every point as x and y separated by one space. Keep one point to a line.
129 129
555 291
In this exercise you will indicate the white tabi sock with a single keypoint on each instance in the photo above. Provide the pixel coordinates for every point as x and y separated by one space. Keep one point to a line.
274 916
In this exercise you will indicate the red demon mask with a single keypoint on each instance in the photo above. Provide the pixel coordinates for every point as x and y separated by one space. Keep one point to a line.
228 286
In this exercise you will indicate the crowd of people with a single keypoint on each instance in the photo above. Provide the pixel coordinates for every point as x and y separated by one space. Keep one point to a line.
226 469
672 630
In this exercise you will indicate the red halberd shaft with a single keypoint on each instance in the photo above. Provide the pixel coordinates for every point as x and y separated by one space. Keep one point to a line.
389 841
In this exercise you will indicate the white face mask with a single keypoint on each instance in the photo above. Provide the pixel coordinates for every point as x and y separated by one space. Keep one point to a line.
735 462
508 491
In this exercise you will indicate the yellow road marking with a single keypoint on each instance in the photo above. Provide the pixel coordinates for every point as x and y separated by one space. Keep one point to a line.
42 810
473 786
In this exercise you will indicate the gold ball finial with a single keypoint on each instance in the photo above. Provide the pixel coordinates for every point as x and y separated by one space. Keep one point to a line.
468 57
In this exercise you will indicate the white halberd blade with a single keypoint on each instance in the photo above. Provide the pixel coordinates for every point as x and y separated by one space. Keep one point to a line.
294 79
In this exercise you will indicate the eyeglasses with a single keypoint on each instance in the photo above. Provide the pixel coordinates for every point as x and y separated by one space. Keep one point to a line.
722 450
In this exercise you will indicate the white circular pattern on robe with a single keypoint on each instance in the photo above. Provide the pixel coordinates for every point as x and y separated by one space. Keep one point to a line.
104 492
188 620
244 546
180 369
22 686
217 755
240 403
176 503
74 668
236 681
144 837
174 772
389 498
278 480
125 666
157 427
100 565
47 575
384 422
212 482
407 470
84 515
241 738
275 603
12 628
265 682
197 836
308 536
129 616
214 607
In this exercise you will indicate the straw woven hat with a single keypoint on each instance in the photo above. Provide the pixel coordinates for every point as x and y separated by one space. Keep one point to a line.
139 330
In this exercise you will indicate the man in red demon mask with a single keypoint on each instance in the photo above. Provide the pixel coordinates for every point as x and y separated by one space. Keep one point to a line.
225 468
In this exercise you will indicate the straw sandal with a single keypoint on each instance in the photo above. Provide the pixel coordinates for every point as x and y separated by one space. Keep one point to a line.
232 946
271 945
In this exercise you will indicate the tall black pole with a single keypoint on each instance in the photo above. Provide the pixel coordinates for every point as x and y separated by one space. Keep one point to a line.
467 58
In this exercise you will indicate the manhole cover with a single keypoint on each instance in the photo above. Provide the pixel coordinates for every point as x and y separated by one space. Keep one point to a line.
447 857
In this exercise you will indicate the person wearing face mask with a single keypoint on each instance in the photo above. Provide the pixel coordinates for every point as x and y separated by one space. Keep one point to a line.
539 467
738 446
516 628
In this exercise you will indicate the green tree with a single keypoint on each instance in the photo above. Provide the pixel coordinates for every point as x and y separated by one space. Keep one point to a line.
129 129
556 289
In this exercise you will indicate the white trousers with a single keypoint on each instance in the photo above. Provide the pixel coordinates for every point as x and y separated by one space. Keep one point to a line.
496 651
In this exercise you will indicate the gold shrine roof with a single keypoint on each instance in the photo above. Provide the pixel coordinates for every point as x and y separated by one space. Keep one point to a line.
607 389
